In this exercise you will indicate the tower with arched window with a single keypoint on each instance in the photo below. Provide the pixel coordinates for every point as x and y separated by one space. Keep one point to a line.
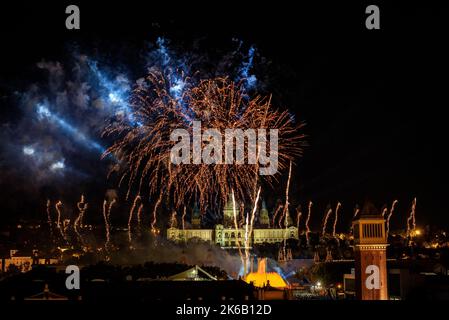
370 250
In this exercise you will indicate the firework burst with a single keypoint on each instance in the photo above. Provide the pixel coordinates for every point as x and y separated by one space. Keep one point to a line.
144 151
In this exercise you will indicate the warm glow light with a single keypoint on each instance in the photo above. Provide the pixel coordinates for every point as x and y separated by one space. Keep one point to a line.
261 278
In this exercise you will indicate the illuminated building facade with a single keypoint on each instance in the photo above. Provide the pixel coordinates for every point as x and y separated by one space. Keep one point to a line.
227 236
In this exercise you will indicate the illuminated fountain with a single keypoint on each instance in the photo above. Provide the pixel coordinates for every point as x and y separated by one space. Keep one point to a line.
262 278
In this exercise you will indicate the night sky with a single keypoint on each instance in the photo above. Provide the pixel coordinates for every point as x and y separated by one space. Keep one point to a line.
374 101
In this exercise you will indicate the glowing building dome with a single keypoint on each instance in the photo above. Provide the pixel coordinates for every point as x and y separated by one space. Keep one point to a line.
261 278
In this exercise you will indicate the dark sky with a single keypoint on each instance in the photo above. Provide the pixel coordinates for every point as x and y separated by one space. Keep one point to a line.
373 100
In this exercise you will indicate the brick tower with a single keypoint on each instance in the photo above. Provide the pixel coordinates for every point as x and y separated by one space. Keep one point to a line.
370 250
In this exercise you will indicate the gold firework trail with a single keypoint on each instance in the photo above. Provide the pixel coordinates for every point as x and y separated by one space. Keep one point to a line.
356 211
173 219
298 216
329 211
287 188
106 224
49 220
411 222
251 225
285 211
82 207
309 212
107 219
384 212
58 207
49 213
390 214
279 207
154 221
183 218
65 224
130 217
139 219
236 226
334 234
242 214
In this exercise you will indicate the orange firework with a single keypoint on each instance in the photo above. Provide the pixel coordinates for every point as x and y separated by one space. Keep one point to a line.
144 151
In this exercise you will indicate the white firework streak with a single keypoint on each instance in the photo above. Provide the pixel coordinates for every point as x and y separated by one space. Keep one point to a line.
285 213
249 232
